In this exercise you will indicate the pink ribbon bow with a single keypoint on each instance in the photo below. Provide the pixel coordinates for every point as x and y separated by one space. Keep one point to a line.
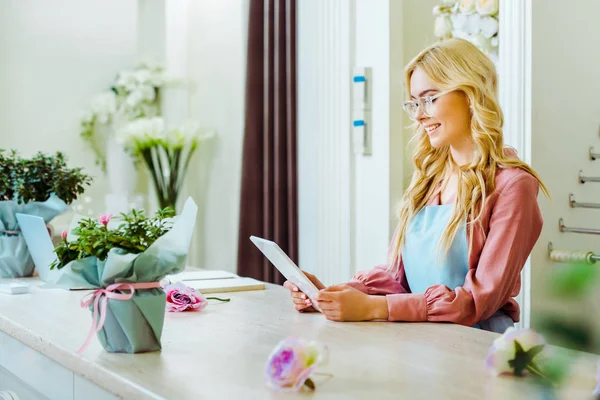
103 294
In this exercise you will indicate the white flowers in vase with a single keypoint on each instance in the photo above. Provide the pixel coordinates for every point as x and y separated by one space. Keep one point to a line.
134 94
473 20
166 153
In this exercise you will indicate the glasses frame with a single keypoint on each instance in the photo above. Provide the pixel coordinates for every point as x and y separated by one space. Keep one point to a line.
423 103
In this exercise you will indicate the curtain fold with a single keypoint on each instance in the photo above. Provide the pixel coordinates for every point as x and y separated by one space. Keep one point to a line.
269 192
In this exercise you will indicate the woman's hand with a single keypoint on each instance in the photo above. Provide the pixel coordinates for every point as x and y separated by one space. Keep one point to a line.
344 303
301 301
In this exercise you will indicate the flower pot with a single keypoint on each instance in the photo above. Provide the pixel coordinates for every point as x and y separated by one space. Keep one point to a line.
135 325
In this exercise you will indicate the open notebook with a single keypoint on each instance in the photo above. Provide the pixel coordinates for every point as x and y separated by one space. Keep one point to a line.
212 281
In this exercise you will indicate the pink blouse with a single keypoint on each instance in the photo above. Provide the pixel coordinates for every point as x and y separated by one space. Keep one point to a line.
511 224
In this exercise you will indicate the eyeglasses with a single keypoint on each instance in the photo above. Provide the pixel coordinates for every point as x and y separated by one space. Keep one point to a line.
425 103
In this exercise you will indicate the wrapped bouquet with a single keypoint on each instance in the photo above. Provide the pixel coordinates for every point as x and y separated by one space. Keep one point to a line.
124 263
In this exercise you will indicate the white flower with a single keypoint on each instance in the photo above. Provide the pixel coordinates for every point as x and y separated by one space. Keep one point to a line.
489 26
504 349
135 97
466 6
460 22
127 80
148 92
142 76
141 131
484 44
460 34
88 116
437 10
473 24
494 42
104 106
487 7
443 26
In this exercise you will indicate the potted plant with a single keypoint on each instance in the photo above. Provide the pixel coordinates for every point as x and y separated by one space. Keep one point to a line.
124 261
43 186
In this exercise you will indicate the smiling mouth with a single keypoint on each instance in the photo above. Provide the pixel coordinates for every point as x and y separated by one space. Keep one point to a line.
432 128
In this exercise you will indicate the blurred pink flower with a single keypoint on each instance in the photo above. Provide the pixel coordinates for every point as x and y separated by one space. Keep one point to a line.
292 362
105 219
182 298
504 350
64 234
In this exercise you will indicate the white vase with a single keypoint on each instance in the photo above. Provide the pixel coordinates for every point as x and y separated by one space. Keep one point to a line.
121 174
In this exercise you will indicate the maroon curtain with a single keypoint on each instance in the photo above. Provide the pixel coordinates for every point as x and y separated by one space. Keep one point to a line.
268 206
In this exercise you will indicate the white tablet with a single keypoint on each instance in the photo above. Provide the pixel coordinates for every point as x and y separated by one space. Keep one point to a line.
40 245
287 267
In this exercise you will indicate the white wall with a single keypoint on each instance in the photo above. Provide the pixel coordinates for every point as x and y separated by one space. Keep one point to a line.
217 39
55 57
565 119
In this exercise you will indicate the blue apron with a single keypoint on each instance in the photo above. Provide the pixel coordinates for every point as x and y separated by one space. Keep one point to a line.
425 265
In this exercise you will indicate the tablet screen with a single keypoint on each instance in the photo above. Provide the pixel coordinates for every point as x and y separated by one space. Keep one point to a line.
286 266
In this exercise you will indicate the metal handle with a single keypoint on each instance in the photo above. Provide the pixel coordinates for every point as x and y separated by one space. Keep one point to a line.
575 204
593 156
563 228
584 179
566 256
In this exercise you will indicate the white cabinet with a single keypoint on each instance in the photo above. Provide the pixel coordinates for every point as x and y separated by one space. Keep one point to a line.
33 376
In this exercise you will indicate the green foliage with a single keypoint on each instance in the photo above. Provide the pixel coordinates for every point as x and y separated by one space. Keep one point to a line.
35 179
134 235
574 280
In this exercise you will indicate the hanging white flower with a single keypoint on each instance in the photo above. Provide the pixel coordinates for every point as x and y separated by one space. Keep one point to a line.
148 92
126 80
104 106
466 6
142 76
489 26
495 41
443 27
135 98
487 7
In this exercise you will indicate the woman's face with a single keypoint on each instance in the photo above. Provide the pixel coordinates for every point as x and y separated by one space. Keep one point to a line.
449 123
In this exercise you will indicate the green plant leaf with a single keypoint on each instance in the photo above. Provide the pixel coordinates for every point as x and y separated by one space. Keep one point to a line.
574 279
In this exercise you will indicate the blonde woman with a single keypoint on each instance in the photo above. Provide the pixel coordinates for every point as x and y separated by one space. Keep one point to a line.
470 217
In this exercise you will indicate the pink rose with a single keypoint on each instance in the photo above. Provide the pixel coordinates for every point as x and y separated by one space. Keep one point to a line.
292 362
181 298
502 356
105 219
64 234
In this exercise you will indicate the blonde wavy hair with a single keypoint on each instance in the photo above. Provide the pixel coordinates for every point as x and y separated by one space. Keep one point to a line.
456 64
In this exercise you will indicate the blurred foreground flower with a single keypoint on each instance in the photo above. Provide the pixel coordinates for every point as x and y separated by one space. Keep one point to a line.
292 363
515 352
